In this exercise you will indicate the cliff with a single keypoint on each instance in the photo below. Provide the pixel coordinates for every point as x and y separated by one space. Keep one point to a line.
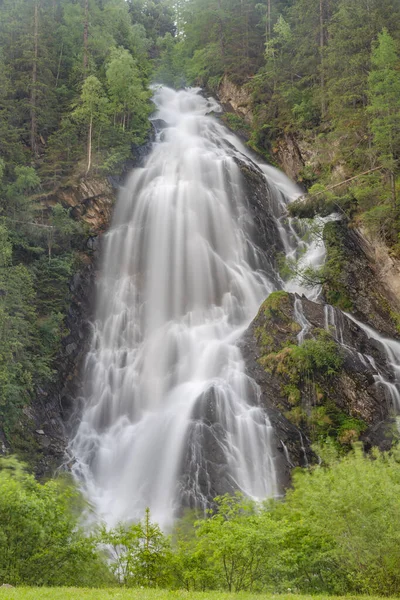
39 436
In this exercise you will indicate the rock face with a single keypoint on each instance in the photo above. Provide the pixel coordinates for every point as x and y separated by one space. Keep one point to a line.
236 98
53 404
289 156
370 294
91 201
369 284
260 202
327 386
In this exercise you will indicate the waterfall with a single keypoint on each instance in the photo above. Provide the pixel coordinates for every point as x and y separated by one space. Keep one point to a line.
169 415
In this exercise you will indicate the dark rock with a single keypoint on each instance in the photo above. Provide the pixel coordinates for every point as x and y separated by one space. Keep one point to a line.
92 243
205 467
371 300
159 124
141 151
261 202
70 348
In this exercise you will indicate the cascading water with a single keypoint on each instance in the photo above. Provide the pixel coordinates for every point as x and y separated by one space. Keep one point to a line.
180 280
391 349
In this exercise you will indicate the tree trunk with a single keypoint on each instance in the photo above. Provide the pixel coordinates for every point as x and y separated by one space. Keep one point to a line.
221 31
393 185
268 23
245 19
50 239
59 64
85 38
89 151
321 48
34 80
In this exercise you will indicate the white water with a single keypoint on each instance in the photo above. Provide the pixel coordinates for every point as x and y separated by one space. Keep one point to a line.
180 281
301 320
392 351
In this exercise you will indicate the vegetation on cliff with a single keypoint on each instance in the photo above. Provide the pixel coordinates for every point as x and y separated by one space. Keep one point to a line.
311 373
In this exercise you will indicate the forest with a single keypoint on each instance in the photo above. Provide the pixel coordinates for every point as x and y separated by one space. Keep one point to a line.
76 80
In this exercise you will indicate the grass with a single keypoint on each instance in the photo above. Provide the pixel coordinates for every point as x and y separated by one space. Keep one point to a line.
121 594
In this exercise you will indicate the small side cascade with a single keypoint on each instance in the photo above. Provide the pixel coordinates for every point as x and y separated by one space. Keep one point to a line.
301 320
287 455
303 449
331 323
392 352
334 324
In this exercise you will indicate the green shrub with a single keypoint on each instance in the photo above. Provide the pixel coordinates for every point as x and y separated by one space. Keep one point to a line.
41 542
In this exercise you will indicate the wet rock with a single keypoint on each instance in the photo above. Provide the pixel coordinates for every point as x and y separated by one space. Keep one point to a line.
70 348
260 202
349 394
370 299
159 124
204 472
92 243
141 151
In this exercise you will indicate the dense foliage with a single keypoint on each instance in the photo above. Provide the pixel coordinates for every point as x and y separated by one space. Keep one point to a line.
40 540
337 531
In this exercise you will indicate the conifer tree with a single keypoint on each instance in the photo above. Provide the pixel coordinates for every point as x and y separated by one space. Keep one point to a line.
384 104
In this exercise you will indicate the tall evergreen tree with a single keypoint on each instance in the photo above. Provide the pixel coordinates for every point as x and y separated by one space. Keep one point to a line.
384 104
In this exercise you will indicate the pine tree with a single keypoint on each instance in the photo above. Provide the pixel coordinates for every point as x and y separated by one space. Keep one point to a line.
384 104
91 111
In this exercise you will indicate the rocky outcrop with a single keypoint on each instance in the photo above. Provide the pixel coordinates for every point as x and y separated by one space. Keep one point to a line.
260 203
328 385
53 405
370 295
386 267
91 200
236 99
43 426
287 152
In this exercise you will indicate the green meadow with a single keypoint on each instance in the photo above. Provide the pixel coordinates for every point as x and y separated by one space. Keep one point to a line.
31 593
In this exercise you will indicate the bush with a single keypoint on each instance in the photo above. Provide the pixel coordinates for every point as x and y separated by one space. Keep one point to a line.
41 542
